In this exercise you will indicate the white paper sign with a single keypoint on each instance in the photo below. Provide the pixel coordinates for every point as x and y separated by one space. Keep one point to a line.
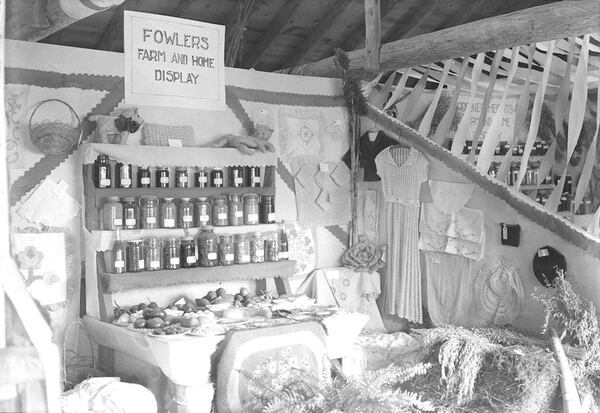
173 62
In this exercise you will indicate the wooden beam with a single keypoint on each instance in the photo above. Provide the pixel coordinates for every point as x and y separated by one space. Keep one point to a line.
317 32
264 42
552 21
357 37
372 34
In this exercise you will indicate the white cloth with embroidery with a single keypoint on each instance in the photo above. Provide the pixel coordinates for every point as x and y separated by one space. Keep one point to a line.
402 171
447 225
498 293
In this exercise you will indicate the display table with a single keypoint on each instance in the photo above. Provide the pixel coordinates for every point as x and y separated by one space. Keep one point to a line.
186 360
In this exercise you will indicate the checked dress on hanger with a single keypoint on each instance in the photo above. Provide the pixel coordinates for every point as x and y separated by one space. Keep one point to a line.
402 171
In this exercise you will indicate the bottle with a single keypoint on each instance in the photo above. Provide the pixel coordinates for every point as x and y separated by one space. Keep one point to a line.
283 243
181 177
118 254
123 175
102 172
143 177
112 213
130 213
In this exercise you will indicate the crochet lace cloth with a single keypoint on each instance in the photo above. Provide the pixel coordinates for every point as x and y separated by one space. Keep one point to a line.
499 293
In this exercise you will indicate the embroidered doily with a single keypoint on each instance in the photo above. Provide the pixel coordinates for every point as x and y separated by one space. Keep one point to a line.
450 197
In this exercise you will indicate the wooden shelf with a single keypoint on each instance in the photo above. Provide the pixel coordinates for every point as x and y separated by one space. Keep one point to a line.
532 187
113 283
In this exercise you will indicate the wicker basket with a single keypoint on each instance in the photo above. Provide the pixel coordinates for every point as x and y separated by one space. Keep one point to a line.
79 368
55 137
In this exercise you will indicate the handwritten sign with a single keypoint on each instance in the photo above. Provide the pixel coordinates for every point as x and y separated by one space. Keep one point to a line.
508 119
173 62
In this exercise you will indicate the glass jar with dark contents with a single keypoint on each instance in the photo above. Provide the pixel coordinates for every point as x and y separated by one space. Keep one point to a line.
188 254
226 250
253 176
241 249
201 178
181 177
220 210
236 176
102 172
162 177
267 209
135 256
130 213
216 177
153 254
143 177
271 247
235 210
171 253
208 248
185 213
202 212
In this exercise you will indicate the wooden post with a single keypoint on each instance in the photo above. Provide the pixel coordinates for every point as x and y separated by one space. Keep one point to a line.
372 34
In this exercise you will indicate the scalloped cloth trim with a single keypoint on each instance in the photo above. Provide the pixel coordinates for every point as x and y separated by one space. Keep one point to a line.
523 205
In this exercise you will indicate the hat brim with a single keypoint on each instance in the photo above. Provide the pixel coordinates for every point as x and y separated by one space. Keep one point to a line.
548 264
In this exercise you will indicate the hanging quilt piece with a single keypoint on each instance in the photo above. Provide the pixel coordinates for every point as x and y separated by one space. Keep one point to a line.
322 192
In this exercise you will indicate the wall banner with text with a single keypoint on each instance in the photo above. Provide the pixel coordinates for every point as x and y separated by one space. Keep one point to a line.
173 62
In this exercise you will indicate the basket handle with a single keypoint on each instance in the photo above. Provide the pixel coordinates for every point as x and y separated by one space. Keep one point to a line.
54 100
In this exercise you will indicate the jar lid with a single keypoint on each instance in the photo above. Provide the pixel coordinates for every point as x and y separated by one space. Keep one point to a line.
202 199
172 240
221 197
143 168
152 240
168 199
234 196
267 196
188 238
149 199
217 168
134 241
250 196
162 168
129 199
184 199
102 157
113 199
181 168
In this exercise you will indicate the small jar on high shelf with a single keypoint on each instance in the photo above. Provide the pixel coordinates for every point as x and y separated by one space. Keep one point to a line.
102 172
112 214
201 178
181 177
236 176
217 177
123 175
143 177
162 177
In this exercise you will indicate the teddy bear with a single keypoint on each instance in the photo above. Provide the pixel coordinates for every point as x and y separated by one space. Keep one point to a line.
259 140
116 129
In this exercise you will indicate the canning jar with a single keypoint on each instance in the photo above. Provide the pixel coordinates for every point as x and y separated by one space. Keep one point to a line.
251 209
216 177
168 213
149 212
188 255
201 178
143 177
185 213
257 247
219 211
118 255
153 254
130 213
267 209
202 212
235 210
236 176
171 255
135 256
112 213
162 177
253 176
207 246
123 175
241 249
102 172
181 177
271 247
226 250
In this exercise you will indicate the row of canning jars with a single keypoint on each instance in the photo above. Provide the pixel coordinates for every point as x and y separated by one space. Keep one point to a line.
233 176
148 212
209 250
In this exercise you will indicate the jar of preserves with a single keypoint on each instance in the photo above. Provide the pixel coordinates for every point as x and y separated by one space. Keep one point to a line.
185 213
202 212
201 178
267 209
257 247
118 255
123 175
171 253
162 177
102 172
153 254
272 248
148 212
226 251
236 176
253 176
143 177
207 247
188 256
130 213
216 177
135 256
251 215
220 216
241 249
181 177
168 213
112 214
235 210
